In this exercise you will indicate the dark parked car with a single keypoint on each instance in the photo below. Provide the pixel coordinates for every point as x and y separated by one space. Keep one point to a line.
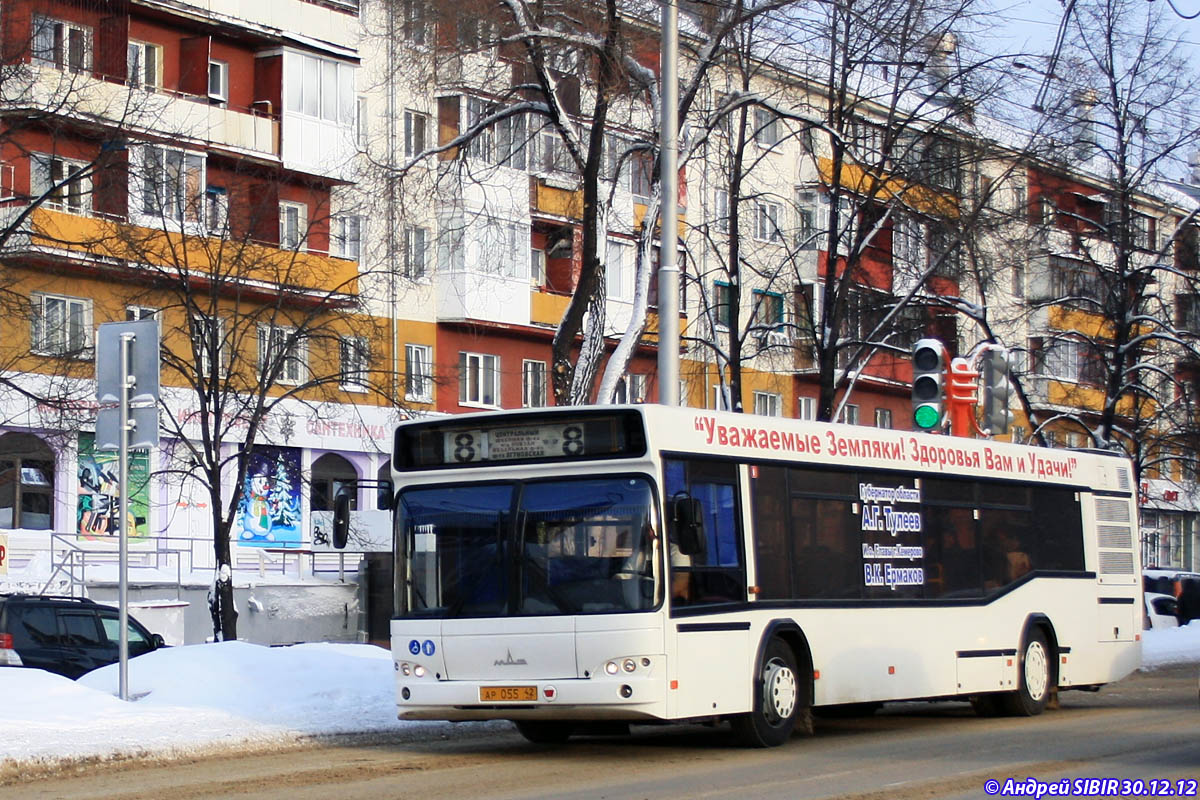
66 635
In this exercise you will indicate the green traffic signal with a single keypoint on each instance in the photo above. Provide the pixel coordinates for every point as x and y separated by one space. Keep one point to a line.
926 417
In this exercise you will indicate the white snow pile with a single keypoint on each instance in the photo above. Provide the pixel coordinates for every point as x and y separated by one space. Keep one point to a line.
1163 647
235 694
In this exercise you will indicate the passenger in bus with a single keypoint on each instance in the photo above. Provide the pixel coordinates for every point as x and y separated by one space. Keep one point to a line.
1003 561
960 558
639 566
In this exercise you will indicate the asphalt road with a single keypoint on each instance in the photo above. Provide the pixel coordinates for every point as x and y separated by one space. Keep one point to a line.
1146 727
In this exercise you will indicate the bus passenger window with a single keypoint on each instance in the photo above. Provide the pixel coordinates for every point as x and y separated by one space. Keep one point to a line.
952 561
716 575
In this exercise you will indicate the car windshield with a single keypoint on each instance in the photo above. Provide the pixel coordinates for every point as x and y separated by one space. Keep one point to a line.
535 548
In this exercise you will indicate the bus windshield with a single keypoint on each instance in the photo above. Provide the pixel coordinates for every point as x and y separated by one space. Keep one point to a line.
581 546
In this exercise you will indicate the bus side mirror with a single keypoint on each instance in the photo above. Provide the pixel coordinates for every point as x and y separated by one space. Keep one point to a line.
341 521
687 525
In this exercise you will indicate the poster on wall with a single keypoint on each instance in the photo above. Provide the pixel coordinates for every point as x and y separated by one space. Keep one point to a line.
270 511
99 503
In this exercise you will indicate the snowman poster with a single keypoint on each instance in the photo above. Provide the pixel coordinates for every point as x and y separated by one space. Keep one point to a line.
269 514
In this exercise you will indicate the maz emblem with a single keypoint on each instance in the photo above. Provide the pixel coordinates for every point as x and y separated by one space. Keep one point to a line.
508 661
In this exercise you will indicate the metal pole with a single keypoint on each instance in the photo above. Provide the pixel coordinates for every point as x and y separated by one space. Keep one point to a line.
123 488
668 271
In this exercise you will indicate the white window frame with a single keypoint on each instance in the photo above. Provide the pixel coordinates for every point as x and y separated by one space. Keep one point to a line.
210 328
848 414
768 404
74 196
54 41
418 374
293 358
167 184
721 400
416 252
289 238
216 209
766 128
58 340
134 313
354 358
478 380
618 270
218 81
766 221
721 210
320 88
137 65
537 266
345 236
416 132
534 384
806 408
362 125
883 418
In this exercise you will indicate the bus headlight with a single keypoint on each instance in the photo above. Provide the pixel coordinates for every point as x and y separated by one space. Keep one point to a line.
419 671
405 669
629 665
611 668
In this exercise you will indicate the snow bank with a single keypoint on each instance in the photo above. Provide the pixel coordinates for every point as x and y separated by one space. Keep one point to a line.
1162 647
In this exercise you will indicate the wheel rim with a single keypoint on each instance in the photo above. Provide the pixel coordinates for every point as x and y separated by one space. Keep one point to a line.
779 691
1037 672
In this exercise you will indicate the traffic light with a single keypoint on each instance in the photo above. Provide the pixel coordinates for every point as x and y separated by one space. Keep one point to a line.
994 370
928 383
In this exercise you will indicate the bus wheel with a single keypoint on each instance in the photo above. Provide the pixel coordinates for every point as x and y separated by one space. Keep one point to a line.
1033 678
545 731
776 701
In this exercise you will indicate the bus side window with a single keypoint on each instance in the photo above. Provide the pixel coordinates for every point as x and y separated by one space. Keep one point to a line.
716 575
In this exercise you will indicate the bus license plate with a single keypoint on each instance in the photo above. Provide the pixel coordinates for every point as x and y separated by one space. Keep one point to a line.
500 694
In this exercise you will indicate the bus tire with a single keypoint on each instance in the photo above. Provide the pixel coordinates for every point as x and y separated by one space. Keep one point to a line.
545 731
777 696
1035 671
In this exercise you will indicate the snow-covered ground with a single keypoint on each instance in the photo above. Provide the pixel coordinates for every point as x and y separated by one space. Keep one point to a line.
230 694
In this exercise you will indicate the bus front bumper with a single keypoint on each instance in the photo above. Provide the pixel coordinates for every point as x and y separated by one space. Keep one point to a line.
616 697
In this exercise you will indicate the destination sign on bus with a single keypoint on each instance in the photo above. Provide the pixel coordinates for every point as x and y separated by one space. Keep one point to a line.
507 438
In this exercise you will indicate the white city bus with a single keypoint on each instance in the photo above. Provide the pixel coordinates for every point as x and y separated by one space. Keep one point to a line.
559 567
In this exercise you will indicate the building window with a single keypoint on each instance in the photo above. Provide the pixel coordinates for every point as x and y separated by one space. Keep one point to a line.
766 127
320 88
512 141
293 222
216 209
416 125
806 408
849 414
66 184
640 178
281 354
62 326
208 340
533 384
478 380
418 373
1068 359
537 266
138 313
883 418
144 65
355 362
171 183
766 221
1142 231
218 81
1074 281
346 236
722 305
631 389
721 211
331 476
416 252
361 125
618 270
417 21
26 482
768 312
768 404
64 45
721 398
808 236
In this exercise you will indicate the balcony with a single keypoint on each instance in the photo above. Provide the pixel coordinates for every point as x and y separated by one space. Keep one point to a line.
186 119
95 242
296 19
